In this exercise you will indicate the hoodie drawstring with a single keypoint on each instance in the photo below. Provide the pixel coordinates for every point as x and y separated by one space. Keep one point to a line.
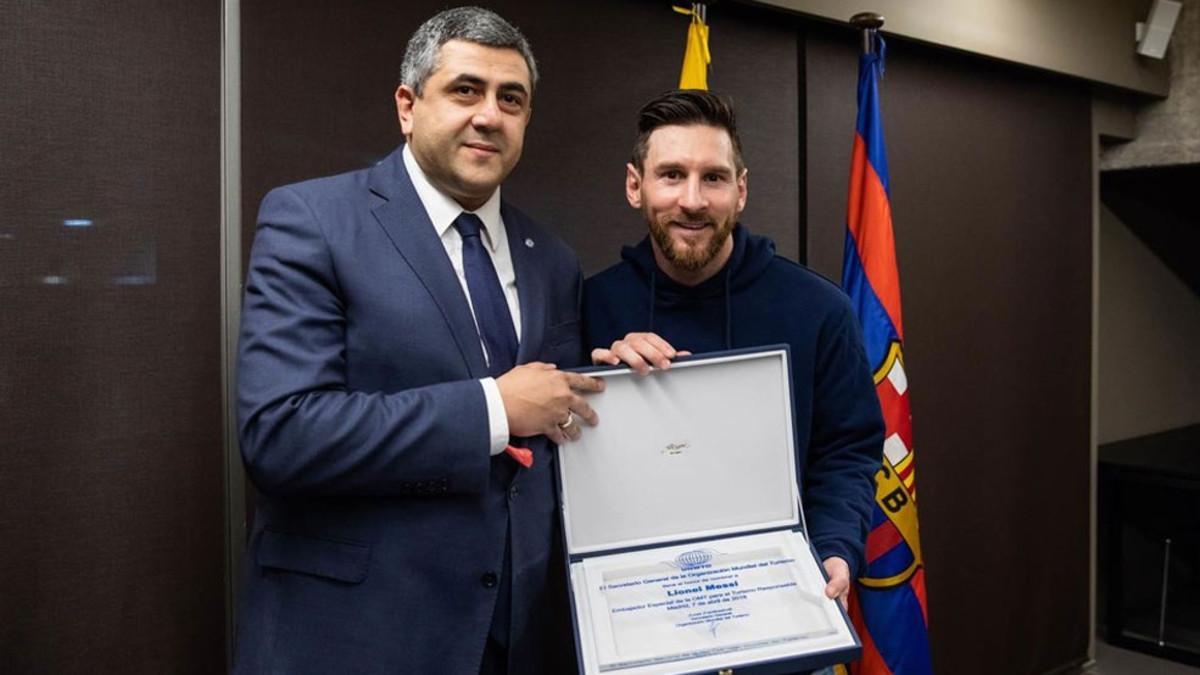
653 278
728 313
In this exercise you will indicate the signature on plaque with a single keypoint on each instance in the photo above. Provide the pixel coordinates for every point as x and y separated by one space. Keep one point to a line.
675 448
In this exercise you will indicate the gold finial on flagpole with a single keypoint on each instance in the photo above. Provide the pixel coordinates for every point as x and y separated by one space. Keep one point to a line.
868 22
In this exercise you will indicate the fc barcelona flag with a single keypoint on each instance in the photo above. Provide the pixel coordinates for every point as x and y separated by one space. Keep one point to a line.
887 603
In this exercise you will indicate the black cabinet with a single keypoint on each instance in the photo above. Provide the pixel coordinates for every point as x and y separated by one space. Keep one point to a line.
1149 548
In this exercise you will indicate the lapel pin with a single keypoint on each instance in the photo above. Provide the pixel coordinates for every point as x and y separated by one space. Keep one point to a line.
528 243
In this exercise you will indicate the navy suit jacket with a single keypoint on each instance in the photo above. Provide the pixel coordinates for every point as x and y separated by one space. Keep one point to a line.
382 519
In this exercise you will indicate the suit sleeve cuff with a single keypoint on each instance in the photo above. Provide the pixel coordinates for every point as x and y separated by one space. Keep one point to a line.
497 417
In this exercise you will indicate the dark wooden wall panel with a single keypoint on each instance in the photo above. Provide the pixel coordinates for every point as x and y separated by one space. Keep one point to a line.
318 78
111 527
991 196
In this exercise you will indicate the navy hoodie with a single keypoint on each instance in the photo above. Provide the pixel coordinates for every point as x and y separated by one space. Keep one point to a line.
758 299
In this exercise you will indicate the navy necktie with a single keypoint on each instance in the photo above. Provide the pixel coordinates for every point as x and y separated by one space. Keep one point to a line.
487 298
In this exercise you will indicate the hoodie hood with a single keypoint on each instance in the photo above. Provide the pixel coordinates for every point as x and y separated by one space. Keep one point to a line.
750 258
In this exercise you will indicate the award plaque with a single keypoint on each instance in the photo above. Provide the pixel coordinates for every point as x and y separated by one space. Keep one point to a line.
684 530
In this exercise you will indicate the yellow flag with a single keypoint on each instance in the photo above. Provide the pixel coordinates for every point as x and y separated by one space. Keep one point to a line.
696 57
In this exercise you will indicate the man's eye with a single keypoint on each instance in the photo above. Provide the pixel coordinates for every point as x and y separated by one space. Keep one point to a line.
714 178
465 90
672 175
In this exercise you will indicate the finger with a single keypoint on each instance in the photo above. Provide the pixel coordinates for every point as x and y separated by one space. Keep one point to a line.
556 435
604 356
651 347
650 352
837 587
584 411
631 358
661 345
584 383
538 365
683 352
573 430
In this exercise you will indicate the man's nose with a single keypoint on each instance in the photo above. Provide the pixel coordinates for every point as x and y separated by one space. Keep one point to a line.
693 199
487 116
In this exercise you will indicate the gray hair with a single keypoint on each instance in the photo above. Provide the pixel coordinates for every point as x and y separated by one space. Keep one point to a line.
473 24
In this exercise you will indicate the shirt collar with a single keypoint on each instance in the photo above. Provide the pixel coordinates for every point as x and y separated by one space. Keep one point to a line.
442 209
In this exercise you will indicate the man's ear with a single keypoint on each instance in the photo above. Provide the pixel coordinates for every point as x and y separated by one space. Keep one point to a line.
743 193
406 98
633 186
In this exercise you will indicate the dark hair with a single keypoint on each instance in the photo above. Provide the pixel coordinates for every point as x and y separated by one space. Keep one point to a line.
686 107
473 24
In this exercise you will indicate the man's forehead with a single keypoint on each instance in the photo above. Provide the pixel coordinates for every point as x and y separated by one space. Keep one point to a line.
457 58
689 142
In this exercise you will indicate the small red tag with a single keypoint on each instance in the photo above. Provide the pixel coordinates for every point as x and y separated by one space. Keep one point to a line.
524 456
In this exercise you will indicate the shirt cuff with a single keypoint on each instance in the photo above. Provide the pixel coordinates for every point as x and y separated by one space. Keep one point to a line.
497 417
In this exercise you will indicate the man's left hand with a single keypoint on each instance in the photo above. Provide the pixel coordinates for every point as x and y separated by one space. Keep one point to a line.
839 579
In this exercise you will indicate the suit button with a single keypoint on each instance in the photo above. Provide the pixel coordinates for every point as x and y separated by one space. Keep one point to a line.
514 491
489 579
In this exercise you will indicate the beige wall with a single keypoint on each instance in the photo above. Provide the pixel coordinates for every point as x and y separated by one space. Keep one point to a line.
1149 340
1090 39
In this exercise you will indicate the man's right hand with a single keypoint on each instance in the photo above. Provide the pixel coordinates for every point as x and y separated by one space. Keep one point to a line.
538 398
639 351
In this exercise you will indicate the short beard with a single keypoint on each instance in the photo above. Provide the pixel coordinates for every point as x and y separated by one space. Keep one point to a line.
691 259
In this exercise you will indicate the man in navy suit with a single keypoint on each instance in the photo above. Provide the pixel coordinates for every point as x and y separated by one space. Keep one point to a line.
386 311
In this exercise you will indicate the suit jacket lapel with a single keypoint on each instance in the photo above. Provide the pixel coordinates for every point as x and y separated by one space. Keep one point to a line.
531 288
406 223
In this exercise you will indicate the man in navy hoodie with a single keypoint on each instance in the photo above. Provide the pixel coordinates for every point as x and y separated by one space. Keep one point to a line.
702 282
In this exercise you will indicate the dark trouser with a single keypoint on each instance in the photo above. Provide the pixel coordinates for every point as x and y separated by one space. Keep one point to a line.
495 652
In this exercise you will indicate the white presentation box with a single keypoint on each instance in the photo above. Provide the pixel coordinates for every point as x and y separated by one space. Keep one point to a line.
684 530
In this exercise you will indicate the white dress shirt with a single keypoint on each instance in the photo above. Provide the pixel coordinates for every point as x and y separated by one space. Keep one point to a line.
442 210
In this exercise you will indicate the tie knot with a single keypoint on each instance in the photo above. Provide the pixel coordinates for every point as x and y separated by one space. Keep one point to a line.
468 224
